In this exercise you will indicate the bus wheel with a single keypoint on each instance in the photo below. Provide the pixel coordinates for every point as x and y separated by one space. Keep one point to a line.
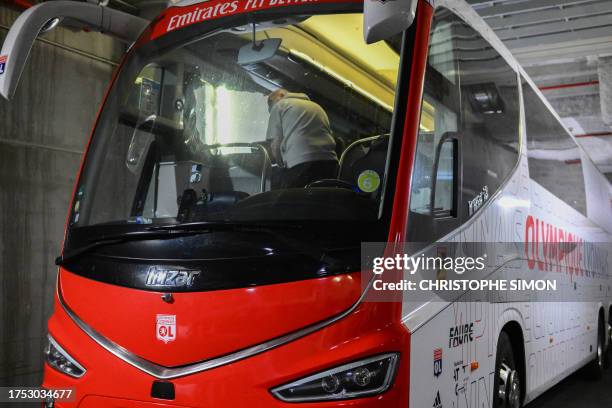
596 367
508 381
608 354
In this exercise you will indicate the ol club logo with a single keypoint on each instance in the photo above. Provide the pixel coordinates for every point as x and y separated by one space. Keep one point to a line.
437 365
3 59
166 328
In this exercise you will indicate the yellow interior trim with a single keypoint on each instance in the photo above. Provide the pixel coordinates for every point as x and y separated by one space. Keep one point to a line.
334 44
344 33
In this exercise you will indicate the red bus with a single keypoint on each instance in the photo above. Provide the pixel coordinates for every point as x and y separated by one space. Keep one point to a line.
190 277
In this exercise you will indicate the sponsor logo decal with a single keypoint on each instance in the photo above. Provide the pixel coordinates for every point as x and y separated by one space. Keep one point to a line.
475 204
211 10
166 328
171 278
437 357
549 247
368 181
461 378
459 335
459 366
3 59
437 401
204 13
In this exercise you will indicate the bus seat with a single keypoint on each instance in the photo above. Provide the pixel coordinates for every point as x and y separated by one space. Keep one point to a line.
364 155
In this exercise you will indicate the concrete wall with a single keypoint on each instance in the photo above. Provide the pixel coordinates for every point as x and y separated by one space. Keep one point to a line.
43 132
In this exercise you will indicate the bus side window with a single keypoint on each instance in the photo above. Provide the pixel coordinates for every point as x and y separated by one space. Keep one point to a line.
445 170
468 143
436 175
555 160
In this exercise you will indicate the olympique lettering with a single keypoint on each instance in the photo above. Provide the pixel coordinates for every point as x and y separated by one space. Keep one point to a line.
212 10
550 248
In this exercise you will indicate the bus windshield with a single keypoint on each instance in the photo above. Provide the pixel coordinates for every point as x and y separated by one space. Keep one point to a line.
286 120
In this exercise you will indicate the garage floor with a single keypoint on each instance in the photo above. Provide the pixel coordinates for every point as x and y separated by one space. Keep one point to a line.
578 392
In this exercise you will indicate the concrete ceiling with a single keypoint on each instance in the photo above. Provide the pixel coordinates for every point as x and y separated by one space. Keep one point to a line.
566 47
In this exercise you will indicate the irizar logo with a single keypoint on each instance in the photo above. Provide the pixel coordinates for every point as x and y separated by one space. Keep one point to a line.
171 278
437 401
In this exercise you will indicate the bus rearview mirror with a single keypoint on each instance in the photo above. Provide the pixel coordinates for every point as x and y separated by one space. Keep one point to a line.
385 18
254 52
44 17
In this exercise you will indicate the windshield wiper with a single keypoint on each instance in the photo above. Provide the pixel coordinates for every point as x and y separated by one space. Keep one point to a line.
169 232
66 257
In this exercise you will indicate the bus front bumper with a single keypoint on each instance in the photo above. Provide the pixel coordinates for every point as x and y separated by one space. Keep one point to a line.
111 382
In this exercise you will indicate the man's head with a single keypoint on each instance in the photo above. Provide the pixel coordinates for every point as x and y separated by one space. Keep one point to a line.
276 96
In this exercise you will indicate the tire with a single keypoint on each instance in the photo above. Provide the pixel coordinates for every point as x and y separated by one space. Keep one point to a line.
595 368
507 391
608 354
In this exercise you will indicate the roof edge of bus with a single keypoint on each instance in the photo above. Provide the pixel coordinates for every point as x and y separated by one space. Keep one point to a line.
184 3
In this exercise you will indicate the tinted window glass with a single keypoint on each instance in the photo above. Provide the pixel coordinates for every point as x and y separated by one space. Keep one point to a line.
195 133
444 196
471 97
555 161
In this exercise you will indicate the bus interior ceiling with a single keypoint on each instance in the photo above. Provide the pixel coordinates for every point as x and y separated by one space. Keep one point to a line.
564 45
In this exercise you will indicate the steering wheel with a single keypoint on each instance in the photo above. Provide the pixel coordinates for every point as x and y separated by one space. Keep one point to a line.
333 183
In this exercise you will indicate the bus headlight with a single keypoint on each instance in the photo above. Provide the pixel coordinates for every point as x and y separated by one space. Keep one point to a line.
363 378
59 359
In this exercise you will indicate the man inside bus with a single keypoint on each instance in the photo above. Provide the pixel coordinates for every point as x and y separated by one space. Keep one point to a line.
301 139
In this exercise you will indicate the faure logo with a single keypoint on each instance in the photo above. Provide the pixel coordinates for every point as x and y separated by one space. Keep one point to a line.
437 356
459 335
166 328
3 59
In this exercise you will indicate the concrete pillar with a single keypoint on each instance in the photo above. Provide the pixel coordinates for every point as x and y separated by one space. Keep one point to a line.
605 89
43 132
